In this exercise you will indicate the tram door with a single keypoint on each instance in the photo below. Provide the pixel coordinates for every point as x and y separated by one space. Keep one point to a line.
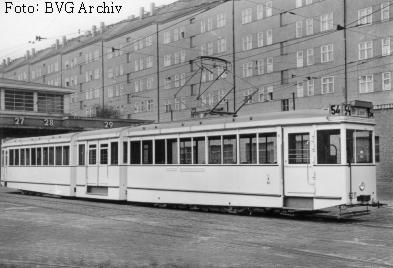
299 154
97 171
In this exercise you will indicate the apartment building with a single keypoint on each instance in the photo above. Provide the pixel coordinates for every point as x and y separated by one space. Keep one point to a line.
191 57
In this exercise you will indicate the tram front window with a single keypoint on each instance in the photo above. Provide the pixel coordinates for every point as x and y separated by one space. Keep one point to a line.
359 146
329 146
299 148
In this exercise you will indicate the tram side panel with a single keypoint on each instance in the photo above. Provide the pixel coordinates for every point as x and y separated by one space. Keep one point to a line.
248 186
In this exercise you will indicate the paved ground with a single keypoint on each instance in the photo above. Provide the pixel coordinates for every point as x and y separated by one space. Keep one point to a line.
49 232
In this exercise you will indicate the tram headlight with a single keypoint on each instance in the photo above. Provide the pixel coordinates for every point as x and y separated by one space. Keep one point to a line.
362 186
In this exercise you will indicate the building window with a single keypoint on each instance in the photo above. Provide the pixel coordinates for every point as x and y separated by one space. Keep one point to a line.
260 39
246 15
327 53
299 59
269 37
167 60
167 37
260 12
386 46
285 105
366 84
327 84
221 20
326 22
310 87
221 45
300 89
260 67
269 90
210 48
387 81
149 62
247 69
385 11
269 65
365 16
299 3
149 105
269 7
299 29
167 83
365 50
203 26
209 24
177 80
247 42
308 2
309 26
310 56
149 83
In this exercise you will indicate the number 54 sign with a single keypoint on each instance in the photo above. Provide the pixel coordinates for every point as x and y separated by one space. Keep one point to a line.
344 109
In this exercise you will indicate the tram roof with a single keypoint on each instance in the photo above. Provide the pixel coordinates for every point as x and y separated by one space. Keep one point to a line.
300 117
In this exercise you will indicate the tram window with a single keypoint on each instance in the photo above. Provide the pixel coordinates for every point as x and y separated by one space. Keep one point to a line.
39 157
267 148
11 157
125 152
377 154
81 154
104 154
185 151
58 156
51 156
229 149
22 157
199 150
66 155
214 150
27 157
248 149
147 152
45 156
16 157
33 157
329 146
135 152
160 151
92 154
359 146
299 148
114 153
171 151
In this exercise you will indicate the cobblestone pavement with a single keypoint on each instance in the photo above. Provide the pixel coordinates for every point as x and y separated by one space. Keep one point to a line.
51 232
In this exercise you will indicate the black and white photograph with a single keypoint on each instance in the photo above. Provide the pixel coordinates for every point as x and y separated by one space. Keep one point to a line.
196 133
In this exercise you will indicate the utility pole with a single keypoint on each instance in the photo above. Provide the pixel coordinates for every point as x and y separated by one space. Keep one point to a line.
102 74
233 56
158 73
345 54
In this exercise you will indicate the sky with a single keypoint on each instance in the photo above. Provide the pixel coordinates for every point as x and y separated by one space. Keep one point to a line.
18 27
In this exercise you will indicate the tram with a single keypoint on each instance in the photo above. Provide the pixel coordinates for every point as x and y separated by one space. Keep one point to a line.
301 161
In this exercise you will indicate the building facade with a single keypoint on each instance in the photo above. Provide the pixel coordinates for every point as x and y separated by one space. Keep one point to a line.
193 58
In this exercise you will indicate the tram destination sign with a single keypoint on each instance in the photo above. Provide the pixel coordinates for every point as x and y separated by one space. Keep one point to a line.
356 108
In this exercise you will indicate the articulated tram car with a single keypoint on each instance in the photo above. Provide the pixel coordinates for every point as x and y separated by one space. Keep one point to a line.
299 161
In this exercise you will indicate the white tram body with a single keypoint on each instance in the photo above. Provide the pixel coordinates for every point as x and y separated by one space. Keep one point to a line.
304 160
